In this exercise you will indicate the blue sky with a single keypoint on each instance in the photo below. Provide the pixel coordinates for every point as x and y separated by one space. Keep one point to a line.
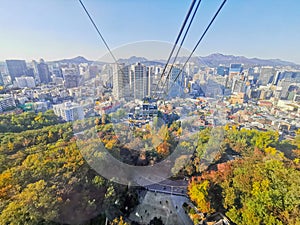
55 29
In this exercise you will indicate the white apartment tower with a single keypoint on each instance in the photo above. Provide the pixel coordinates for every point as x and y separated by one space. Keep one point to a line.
139 81
121 86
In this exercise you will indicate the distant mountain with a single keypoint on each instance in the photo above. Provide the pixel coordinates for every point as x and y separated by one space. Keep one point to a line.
216 59
212 60
145 61
132 60
153 63
76 60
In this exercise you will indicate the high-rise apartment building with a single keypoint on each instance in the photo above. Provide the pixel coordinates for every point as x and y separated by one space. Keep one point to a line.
35 71
139 81
132 81
150 81
43 71
287 79
267 74
121 84
16 68
177 74
71 76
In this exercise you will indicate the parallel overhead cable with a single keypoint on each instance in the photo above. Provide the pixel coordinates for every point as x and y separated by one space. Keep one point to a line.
176 42
182 41
199 41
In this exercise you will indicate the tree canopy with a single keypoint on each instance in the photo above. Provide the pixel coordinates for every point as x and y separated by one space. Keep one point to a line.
262 187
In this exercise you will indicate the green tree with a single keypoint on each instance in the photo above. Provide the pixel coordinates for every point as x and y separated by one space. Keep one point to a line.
198 192
269 194
35 204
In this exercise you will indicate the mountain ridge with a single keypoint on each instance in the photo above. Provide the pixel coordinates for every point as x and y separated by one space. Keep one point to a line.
216 59
212 60
76 60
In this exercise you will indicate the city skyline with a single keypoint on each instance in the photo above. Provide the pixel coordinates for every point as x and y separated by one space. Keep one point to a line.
60 29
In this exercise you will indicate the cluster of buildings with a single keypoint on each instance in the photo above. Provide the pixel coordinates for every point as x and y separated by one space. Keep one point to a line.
19 74
138 81
142 113
264 97
258 97
254 83
38 86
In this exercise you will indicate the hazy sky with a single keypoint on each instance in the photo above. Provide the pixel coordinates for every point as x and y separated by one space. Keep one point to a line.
55 29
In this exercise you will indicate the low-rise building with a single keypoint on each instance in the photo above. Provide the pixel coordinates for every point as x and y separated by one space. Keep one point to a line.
23 82
6 102
69 111
237 98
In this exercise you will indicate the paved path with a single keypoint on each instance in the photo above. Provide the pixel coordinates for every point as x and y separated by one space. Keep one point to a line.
165 206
